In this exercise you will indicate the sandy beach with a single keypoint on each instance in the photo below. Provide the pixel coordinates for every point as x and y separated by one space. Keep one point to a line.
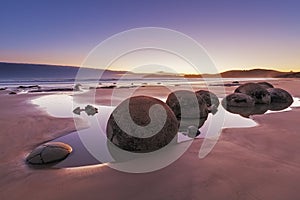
261 162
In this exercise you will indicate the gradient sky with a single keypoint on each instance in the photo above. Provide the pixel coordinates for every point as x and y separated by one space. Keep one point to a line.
236 34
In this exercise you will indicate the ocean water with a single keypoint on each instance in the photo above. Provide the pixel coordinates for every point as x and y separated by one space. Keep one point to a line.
12 84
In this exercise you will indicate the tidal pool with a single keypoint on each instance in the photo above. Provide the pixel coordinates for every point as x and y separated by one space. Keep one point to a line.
85 142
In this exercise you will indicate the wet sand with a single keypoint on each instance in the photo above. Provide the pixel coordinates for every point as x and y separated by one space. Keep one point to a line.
251 163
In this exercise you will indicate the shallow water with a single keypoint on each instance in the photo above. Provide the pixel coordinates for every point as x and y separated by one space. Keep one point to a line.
89 145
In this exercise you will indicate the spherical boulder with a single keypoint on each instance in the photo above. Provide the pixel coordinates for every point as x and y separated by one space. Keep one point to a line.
186 104
280 96
265 85
141 124
256 91
212 101
49 153
238 100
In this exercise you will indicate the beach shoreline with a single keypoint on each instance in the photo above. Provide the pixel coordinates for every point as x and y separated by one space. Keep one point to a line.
251 163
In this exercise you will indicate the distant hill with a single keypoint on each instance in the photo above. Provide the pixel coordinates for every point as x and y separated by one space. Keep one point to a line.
23 71
253 73
290 75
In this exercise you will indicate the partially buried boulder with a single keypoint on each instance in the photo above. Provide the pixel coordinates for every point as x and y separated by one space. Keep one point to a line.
280 96
256 91
238 100
49 153
141 124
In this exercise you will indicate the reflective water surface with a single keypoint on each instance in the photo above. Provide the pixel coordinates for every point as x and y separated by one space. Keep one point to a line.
62 105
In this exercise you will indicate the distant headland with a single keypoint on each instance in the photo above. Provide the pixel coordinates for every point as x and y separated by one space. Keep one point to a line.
27 70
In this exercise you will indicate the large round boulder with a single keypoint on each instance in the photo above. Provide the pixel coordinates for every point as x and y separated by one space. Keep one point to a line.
141 124
187 105
211 100
256 91
238 100
265 85
49 153
280 96
189 108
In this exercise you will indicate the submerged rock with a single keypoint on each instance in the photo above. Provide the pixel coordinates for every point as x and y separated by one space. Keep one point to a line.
256 91
12 93
53 90
77 110
107 87
77 87
90 110
141 124
238 100
29 87
49 153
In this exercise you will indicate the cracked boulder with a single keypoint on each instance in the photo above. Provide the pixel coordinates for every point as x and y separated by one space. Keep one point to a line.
49 153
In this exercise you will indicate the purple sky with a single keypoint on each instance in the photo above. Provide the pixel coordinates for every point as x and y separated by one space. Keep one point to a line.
236 34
